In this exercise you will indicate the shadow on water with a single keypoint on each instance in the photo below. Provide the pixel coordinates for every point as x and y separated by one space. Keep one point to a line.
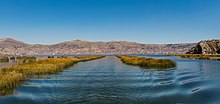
108 80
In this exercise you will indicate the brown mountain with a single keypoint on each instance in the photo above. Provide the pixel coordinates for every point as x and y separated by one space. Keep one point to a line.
12 46
206 47
12 43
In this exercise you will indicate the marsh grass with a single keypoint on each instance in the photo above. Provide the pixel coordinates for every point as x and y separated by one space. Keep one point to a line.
147 62
4 59
12 76
197 56
9 81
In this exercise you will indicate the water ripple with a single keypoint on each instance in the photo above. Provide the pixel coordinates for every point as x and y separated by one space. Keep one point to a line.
108 81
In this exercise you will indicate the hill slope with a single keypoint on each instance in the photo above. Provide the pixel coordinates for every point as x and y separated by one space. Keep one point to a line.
11 46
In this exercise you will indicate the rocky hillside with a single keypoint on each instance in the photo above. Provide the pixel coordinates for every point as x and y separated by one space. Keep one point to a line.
11 46
11 43
206 47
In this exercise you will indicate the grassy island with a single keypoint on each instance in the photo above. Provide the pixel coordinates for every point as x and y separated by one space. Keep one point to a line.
12 76
147 62
199 56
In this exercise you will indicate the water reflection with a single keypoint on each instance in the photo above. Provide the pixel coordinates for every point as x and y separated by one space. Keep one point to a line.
108 80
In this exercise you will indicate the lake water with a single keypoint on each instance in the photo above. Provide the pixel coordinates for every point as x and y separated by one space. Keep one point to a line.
109 81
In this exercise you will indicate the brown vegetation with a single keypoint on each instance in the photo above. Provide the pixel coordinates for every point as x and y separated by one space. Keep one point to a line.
147 62
198 56
12 76
4 59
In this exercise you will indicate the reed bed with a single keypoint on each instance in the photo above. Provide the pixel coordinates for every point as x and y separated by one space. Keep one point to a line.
48 66
147 62
4 59
12 76
25 59
198 56
9 81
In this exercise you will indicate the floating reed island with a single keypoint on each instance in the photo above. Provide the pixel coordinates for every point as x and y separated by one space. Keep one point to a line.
4 59
199 56
19 59
13 76
24 59
147 62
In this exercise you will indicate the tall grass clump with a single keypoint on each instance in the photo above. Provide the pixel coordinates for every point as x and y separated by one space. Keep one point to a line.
9 81
12 76
147 62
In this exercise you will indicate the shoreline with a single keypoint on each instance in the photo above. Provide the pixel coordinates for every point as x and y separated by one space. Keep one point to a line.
199 56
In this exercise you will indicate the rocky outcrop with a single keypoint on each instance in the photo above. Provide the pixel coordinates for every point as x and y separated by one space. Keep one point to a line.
206 47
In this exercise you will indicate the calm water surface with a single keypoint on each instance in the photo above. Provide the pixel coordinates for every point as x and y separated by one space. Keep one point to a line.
108 80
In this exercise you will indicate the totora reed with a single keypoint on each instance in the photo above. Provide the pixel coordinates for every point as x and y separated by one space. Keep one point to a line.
199 56
147 62
13 76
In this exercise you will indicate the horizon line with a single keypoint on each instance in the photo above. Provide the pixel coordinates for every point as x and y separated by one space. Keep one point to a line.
100 41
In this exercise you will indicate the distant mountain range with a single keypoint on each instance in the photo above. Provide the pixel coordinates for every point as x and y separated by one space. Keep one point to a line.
15 47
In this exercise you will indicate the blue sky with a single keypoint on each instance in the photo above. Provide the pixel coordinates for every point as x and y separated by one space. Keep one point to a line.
144 21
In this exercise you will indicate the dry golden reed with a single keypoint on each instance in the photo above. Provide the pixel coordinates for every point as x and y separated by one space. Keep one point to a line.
12 76
197 56
147 62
